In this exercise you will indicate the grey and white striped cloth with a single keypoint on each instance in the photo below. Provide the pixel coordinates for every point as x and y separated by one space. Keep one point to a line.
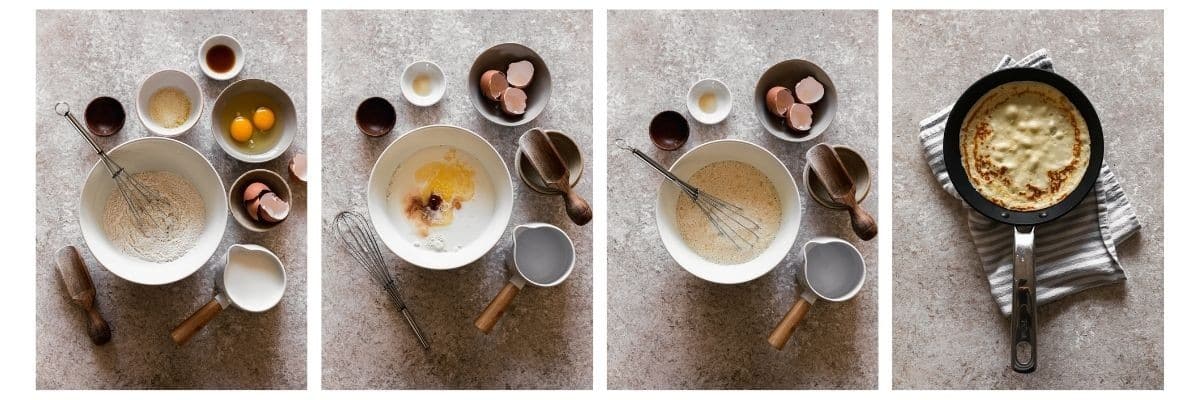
1074 253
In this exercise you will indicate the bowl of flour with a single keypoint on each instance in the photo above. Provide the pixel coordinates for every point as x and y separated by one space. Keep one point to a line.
190 229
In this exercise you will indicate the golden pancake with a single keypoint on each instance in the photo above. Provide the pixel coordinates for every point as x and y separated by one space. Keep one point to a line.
1025 146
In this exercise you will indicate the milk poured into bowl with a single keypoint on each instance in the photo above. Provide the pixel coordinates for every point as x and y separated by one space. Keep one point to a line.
469 221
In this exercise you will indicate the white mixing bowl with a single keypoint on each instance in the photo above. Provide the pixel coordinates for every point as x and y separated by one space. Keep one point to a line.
153 154
389 219
789 200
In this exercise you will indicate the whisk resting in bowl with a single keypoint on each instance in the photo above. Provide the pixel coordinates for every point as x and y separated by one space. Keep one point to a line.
148 207
353 230
726 218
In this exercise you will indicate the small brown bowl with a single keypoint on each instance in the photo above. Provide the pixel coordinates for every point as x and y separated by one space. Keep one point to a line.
855 165
104 116
238 208
569 151
375 116
669 130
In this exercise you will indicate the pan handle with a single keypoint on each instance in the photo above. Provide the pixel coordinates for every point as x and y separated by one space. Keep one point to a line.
1024 303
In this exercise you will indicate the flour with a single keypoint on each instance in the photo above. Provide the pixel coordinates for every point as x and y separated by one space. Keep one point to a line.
436 242
170 233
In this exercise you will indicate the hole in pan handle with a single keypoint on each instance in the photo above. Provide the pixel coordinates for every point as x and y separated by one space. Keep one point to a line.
1024 306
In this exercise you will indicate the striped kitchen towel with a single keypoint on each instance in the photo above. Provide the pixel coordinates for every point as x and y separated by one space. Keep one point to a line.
1074 253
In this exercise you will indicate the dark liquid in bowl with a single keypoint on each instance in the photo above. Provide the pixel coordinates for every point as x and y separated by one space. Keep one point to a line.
220 58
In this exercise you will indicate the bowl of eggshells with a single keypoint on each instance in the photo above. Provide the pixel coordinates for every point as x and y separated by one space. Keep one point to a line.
260 200
509 84
795 100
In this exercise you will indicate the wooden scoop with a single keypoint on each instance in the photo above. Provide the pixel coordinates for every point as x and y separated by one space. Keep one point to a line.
550 165
840 185
77 280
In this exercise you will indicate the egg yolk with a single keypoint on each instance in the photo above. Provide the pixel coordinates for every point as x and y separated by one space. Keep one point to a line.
240 129
264 118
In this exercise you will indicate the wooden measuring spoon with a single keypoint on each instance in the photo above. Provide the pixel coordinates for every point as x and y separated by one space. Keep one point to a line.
550 165
77 280
840 185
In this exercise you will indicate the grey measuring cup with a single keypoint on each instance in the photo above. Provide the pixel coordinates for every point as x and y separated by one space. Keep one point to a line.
833 270
542 256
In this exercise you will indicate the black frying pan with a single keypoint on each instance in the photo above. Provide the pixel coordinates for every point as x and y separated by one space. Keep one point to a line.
1024 315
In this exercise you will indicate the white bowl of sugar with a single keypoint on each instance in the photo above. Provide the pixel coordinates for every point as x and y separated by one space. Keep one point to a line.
180 244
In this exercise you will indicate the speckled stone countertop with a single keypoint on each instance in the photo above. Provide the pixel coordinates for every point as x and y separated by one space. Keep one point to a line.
668 329
948 333
545 338
85 54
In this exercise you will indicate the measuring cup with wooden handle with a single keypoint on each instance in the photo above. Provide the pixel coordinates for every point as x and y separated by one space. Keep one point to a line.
252 278
549 164
75 277
840 185
833 271
542 255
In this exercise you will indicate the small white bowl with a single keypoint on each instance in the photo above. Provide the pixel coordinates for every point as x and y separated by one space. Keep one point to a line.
239 57
153 154
388 214
165 79
759 158
721 95
437 83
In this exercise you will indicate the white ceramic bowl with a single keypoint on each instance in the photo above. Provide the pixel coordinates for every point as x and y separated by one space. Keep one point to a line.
769 165
387 216
153 154
437 83
164 79
280 102
724 101
239 57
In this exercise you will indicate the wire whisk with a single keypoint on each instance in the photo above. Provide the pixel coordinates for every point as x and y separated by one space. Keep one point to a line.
352 228
726 218
148 208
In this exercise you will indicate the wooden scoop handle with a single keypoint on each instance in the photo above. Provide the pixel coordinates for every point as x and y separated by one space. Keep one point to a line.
188 328
787 326
491 315
862 222
577 208
98 328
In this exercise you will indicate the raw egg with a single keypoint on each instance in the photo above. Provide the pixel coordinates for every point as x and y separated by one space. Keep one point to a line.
264 118
241 129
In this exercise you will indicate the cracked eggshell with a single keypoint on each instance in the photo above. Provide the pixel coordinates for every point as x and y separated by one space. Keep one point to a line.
809 90
779 100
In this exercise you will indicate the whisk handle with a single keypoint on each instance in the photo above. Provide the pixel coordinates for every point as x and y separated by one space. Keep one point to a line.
64 109
491 315
394 294
665 173
416 329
